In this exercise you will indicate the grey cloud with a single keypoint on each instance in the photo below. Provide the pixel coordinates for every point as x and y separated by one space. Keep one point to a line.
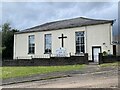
24 15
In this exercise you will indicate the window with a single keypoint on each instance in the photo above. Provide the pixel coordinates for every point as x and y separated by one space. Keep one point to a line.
48 43
80 47
31 49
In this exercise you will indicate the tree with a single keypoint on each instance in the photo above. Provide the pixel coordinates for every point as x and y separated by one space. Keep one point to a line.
7 40
6 27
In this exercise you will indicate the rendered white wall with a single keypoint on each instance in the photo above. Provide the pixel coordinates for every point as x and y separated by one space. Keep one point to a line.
95 35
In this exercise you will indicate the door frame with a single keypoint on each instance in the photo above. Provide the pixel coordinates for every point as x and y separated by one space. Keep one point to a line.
93 52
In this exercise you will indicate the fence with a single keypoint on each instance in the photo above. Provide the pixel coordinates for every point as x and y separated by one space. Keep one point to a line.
51 61
49 55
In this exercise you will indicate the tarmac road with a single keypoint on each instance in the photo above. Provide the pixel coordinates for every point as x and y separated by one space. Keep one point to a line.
104 79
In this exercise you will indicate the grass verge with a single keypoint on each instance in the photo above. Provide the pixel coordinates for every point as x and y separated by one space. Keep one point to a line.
115 64
10 72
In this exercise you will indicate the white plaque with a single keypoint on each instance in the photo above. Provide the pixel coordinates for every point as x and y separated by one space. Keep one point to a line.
61 52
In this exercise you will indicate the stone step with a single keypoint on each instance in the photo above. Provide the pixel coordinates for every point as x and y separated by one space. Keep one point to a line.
93 63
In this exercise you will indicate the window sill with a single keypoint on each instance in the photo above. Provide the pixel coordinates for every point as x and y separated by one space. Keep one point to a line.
47 53
31 53
79 53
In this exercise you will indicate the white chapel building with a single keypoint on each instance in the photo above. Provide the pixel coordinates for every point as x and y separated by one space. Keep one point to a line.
77 36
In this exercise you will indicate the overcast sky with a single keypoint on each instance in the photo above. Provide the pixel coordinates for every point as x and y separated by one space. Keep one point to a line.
23 15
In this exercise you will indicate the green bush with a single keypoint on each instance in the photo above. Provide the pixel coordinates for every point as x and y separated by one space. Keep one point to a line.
105 53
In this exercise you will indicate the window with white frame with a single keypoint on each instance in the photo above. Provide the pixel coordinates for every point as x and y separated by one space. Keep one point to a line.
48 43
80 45
31 49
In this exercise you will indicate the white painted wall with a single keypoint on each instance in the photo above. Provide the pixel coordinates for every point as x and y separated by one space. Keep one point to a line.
95 35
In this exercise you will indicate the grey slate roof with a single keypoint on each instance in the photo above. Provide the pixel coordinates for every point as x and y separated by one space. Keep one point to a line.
69 23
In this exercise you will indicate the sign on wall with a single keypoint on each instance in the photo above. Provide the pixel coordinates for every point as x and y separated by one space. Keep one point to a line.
116 42
61 52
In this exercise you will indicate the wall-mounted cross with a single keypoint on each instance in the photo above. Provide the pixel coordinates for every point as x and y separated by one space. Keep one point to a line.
62 37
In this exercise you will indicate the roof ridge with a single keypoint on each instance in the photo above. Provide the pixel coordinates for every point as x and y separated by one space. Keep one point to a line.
96 19
51 22
67 23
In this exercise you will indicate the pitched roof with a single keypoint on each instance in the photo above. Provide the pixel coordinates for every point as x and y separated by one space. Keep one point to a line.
68 23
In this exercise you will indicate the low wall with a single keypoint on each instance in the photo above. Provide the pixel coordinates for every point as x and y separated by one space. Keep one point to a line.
52 61
108 59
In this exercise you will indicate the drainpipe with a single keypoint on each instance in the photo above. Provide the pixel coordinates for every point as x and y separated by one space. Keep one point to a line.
111 37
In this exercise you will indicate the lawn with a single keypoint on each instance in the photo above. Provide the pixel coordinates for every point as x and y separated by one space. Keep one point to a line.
115 64
8 72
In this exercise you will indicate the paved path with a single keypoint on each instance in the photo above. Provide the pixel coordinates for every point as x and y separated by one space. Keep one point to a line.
104 79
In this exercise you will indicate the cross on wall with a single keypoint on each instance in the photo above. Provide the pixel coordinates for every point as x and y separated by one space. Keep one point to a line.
62 37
